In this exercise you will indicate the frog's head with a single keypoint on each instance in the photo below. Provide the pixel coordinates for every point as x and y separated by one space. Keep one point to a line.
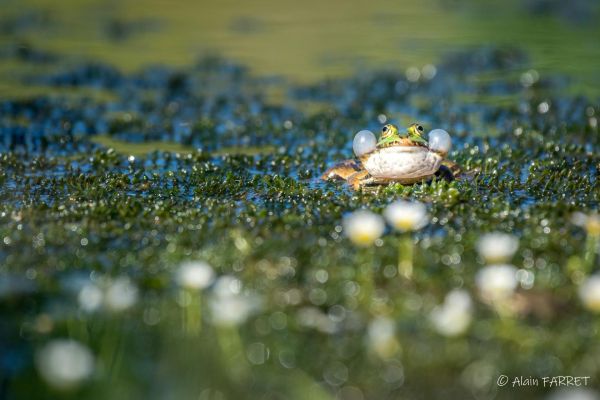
389 130
415 130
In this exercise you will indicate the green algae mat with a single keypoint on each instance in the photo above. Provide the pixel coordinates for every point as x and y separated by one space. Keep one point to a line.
165 233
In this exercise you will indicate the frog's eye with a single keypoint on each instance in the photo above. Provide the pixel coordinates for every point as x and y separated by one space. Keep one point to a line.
385 128
419 128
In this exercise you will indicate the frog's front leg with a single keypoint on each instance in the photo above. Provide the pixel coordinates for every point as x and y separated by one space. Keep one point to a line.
363 179
359 179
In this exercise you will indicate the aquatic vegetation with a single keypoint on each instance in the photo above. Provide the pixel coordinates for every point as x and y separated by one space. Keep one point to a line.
381 334
121 294
497 247
406 215
363 227
453 317
497 282
229 305
195 275
108 203
116 295
65 364
589 292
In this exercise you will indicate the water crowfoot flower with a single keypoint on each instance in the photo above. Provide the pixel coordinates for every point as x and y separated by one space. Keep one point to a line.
381 337
363 227
497 247
230 307
454 316
195 275
589 293
591 224
121 294
496 283
116 295
65 364
90 297
406 216
192 277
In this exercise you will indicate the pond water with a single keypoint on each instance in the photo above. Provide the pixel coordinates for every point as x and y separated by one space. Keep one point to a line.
313 39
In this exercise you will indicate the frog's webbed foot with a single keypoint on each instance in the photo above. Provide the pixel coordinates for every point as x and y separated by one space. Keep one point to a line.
360 179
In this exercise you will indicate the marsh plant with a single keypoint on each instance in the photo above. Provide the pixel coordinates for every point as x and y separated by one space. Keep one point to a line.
193 277
406 217
497 281
65 364
453 317
589 293
364 228
591 224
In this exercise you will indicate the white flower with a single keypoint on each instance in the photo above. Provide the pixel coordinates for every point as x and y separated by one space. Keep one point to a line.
406 215
593 225
590 222
589 293
381 337
578 218
497 282
113 294
120 294
497 247
312 317
229 311
363 227
227 285
90 297
65 364
228 305
454 316
195 275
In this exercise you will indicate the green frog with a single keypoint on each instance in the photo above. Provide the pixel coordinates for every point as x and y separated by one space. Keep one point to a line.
404 158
